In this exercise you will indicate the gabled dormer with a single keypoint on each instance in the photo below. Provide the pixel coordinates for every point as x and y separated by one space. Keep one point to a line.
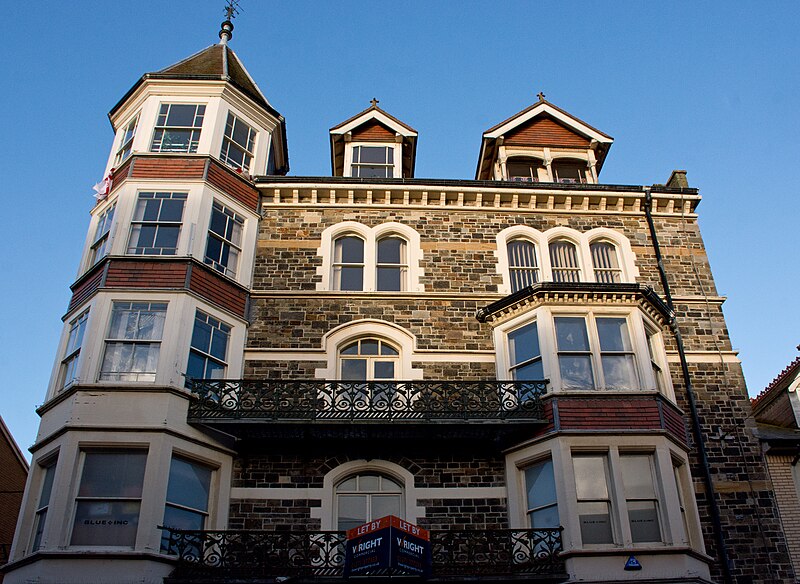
373 144
206 104
543 143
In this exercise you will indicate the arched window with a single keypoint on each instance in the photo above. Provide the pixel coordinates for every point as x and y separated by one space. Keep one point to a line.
564 261
366 497
348 263
524 169
368 360
606 262
523 265
392 264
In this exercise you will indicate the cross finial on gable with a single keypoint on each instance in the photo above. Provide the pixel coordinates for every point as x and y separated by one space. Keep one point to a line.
374 102
540 95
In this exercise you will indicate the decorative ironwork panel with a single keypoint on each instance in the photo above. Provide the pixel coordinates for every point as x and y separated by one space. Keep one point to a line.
402 401
276 554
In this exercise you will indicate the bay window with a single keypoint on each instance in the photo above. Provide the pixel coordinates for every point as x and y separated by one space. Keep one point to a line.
178 128
188 492
156 223
640 497
109 498
133 342
101 242
224 243
69 364
126 145
209 348
540 487
49 469
238 144
594 499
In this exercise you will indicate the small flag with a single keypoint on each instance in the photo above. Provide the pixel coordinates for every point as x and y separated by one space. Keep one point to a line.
104 186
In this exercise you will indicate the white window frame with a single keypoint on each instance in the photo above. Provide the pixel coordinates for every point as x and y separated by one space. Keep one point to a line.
84 452
397 157
140 377
629 272
637 322
102 238
204 513
326 513
234 216
194 139
663 455
248 151
70 363
157 223
128 134
44 467
371 237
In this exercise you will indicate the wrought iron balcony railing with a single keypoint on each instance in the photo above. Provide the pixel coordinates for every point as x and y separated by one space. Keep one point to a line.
390 401
260 555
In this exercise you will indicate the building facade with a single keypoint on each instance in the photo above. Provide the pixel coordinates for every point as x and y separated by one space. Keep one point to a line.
252 362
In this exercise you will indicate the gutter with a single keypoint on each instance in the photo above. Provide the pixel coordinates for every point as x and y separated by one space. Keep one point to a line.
722 550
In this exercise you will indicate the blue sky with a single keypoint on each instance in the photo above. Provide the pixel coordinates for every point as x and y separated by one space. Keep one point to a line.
709 87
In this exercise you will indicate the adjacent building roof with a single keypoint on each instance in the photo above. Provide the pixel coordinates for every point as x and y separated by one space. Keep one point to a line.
778 403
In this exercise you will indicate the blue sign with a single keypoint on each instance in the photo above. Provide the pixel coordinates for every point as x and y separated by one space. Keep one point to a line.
632 564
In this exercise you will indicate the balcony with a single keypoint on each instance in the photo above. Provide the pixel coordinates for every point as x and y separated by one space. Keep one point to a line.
261 556
292 409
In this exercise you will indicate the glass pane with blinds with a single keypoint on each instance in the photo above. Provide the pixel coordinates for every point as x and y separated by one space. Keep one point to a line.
522 263
564 262
605 262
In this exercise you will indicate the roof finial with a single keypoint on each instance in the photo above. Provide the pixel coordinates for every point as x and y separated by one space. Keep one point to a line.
540 95
226 32
374 102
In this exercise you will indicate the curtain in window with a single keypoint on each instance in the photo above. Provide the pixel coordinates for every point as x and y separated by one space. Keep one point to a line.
564 262
523 266
605 262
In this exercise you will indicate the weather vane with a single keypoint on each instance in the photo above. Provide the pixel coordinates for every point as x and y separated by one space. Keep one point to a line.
232 9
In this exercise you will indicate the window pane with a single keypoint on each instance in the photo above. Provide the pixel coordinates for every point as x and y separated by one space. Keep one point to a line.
351 278
352 511
571 334
47 485
196 368
189 484
369 347
113 474
619 371
349 250
545 517
541 484
390 279
533 371
106 523
383 505
643 517
524 343
595 522
590 477
390 251
576 371
613 333
354 369
181 519
181 115
384 370
373 154
387 350
368 483
389 486
351 349
638 477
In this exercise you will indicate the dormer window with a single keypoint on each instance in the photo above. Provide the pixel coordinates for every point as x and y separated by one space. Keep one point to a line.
571 171
178 128
373 161
238 144
525 169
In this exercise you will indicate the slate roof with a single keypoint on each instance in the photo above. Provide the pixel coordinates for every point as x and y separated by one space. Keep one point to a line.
212 63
